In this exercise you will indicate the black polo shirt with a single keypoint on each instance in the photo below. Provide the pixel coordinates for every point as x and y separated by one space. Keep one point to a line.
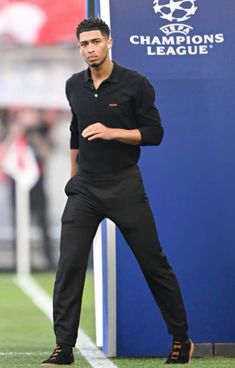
124 100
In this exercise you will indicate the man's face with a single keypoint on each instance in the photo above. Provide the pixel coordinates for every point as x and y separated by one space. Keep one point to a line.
94 47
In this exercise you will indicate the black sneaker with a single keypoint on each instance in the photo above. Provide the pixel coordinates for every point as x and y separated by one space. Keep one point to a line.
181 352
60 356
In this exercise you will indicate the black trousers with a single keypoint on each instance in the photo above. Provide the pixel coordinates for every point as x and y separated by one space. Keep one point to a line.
120 197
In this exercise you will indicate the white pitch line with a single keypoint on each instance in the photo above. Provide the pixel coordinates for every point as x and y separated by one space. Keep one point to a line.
42 300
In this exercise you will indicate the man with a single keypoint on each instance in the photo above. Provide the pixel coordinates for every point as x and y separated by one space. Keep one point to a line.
113 114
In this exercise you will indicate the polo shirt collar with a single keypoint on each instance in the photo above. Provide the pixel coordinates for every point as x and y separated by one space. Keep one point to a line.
113 78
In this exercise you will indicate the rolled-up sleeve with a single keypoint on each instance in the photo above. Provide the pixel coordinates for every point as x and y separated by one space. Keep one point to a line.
147 115
74 137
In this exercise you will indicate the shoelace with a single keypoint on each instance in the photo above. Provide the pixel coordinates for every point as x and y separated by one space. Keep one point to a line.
177 345
55 352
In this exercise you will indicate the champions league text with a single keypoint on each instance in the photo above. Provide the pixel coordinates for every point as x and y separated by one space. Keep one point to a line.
178 45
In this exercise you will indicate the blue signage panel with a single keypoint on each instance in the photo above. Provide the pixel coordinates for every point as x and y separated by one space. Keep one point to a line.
186 49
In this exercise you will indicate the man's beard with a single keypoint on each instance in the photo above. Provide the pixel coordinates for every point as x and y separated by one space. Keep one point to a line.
96 64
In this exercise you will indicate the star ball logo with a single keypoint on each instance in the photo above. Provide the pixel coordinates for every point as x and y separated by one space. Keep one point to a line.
178 10
176 38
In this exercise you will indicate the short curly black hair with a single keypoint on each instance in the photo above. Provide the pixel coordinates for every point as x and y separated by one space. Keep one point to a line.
91 24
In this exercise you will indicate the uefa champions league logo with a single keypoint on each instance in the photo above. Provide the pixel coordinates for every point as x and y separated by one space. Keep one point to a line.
178 38
175 11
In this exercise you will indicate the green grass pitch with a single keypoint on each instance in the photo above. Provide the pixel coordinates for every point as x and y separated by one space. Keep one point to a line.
26 335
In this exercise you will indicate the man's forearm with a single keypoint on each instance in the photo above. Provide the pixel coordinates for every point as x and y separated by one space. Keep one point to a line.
100 131
74 163
131 136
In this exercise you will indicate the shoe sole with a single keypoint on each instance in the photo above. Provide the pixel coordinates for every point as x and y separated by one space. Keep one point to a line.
54 365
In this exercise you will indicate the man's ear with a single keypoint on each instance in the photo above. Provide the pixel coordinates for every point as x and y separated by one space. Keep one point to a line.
78 44
110 43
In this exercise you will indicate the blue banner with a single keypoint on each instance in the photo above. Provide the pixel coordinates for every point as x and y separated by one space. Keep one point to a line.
186 49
